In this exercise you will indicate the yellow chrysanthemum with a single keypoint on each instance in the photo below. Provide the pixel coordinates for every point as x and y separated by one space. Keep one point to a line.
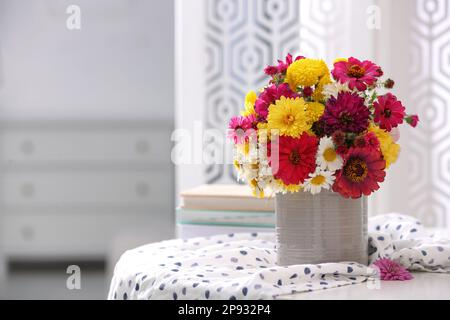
389 148
305 73
291 188
250 100
314 110
340 60
318 93
289 117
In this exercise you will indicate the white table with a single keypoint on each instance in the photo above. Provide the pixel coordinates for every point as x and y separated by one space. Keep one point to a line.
131 266
424 286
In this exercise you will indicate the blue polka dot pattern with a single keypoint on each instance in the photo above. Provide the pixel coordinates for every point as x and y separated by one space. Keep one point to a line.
408 243
243 266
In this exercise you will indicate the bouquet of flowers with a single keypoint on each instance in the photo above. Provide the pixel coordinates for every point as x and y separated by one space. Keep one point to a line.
311 129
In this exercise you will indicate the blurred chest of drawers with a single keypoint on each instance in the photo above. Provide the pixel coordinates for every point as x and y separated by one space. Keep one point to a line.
69 188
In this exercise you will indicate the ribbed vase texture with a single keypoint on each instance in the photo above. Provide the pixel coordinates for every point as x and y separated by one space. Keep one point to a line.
321 228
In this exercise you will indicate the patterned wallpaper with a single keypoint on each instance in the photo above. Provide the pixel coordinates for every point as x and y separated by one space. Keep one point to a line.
325 27
430 95
242 37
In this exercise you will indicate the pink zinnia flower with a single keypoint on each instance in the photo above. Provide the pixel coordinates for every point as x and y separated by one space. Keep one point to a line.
389 112
239 126
391 270
269 96
346 113
358 74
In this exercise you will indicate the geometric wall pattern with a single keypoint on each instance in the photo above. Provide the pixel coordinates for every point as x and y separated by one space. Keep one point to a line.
430 97
242 37
325 28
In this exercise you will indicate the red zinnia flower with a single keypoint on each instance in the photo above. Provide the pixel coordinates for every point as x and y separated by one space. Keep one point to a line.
363 169
346 113
297 158
358 74
389 112
269 96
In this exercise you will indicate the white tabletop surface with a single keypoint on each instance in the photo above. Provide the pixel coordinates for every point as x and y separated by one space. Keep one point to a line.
424 286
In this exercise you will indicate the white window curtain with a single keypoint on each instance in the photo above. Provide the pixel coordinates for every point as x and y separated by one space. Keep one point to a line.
223 45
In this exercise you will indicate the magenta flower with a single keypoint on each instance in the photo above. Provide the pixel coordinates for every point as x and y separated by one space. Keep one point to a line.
358 74
282 65
389 112
392 271
239 126
271 70
269 96
412 120
346 113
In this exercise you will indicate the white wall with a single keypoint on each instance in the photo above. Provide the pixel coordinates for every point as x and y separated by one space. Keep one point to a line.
119 65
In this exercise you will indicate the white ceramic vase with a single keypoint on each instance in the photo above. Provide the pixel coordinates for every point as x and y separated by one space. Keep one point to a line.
321 228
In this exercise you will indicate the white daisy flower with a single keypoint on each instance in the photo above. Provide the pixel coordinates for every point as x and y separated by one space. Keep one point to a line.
327 158
333 89
319 180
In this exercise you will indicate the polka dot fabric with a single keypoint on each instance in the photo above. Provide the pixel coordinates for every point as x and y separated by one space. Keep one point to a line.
243 266
405 240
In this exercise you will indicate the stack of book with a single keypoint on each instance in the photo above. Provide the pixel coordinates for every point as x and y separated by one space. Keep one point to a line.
216 209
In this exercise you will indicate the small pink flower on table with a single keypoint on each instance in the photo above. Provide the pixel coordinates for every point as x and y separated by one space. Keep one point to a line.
391 270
